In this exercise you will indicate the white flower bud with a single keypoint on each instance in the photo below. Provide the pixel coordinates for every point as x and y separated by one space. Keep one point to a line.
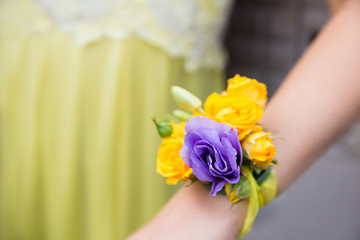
185 99
182 115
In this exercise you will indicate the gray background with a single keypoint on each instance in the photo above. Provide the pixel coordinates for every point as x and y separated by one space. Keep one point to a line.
264 40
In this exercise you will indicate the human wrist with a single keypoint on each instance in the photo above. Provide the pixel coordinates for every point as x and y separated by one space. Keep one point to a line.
219 219
205 217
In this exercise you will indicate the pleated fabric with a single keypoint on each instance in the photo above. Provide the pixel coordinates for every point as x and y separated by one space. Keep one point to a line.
77 146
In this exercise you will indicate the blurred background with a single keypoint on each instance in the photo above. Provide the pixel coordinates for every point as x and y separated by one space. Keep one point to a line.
264 40
80 79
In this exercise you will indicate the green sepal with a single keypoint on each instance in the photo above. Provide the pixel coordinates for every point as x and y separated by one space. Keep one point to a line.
164 128
247 162
273 137
191 182
245 188
274 161
245 154
232 205
264 128
242 188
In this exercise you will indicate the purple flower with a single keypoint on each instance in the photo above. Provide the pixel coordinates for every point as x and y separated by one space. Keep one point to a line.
213 151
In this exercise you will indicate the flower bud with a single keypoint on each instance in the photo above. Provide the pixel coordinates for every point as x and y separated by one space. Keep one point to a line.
185 99
182 115
260 147
238 191
164 128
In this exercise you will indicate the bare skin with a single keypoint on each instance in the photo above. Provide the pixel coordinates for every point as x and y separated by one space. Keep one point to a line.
335 5
318 101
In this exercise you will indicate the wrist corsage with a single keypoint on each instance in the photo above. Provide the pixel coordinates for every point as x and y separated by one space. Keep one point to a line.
221 144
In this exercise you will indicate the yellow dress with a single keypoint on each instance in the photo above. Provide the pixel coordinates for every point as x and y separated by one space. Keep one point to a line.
79 83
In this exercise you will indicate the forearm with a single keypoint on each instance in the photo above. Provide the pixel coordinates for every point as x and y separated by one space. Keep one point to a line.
192 214
335 5
320 98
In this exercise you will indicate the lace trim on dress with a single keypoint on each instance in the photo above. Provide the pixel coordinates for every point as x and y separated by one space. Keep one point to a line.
183 28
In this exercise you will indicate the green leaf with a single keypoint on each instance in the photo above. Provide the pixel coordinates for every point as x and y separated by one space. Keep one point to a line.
164 128
263 175
256 173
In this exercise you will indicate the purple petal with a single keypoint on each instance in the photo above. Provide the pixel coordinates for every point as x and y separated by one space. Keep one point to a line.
203 122
234 177
191 138
213 151
198 122
185 153
200 169
211 135
220 163
217 170
216 187
234 140
203 149
189 141
230 152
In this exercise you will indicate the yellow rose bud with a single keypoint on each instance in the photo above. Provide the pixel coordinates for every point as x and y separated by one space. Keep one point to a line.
247 87
169 162
231 194
260 148
185 99
240 112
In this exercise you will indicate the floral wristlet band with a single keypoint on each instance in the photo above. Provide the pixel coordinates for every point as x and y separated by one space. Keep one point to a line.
222 145
260 196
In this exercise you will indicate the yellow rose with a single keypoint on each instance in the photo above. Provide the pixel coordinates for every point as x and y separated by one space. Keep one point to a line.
240 112
260 148
249 88
169 162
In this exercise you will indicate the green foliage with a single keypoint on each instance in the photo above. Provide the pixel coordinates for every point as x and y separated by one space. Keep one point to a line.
262 175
